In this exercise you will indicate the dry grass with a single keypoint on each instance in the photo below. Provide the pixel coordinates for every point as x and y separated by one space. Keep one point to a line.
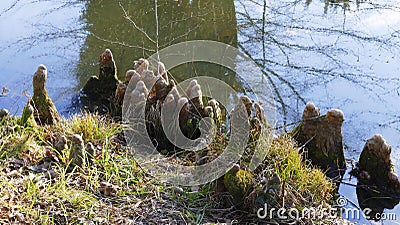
35 187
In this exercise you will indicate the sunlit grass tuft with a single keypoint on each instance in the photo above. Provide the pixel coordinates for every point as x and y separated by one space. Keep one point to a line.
92 127
304 183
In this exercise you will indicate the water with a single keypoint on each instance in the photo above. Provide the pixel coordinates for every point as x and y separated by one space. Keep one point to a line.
35 32
343 55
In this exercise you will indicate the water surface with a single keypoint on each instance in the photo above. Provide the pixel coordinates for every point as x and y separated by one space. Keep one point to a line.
343 55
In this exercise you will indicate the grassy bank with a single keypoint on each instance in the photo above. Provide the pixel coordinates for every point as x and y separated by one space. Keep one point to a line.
36 186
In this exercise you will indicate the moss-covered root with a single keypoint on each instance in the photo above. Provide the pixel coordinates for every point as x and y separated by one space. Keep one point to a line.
270 193
80 155
45 111
102 87
322 139
108 69
239 183
375 165
27 119
77 152
250 195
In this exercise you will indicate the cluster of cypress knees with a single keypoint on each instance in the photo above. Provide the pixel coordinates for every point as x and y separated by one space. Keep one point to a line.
319 135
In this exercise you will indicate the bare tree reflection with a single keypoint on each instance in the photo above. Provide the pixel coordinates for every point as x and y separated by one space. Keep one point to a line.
301 51
45 32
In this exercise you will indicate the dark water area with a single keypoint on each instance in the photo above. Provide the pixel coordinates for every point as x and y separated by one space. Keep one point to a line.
131 30
338 54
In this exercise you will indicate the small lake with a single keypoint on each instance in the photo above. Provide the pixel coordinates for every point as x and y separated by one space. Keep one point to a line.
338 54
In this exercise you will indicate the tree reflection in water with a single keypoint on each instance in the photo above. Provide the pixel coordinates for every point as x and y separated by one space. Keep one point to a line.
128 28
337 53
338 4
313 55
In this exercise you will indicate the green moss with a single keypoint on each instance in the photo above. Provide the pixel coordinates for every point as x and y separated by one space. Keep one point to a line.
45 110
108 74
27 118
99 89
239 184
324 149
304 183
375 160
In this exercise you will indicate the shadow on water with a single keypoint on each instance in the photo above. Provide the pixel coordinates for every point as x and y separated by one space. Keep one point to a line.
374 202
